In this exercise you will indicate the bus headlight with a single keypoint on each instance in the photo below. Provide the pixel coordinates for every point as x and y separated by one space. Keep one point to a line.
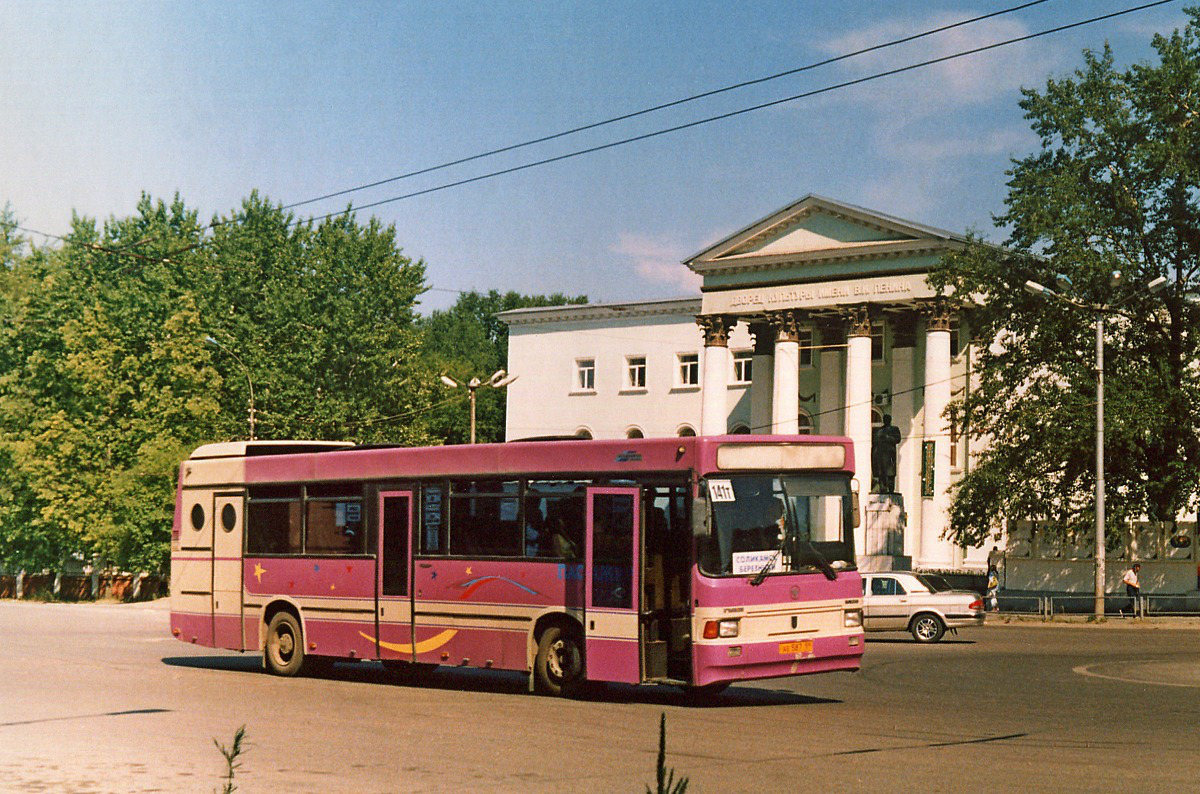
714 629
853 618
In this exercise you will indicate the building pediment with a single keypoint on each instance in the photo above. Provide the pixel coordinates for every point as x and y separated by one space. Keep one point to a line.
821 232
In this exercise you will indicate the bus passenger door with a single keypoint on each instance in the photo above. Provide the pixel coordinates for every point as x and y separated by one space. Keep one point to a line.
393 609
611 605
227 570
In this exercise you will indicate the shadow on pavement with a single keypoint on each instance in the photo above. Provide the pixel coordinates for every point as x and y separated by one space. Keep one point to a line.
506 682
911 641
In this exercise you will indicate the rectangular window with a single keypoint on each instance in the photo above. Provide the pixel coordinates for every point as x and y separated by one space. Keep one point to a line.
554 520
955 346
743 362
318 519
274 525
485 520
333 519
877 341
805 337
689 369
635 372
585 374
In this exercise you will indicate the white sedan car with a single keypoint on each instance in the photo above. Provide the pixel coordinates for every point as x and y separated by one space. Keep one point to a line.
924 605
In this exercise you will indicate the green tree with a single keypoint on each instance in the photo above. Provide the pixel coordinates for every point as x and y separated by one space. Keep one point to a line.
106 382
469 341
1114 187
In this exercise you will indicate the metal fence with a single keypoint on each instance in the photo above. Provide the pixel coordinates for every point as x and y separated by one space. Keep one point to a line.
1115 605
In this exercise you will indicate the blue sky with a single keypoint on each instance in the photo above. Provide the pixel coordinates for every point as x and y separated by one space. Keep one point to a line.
102 100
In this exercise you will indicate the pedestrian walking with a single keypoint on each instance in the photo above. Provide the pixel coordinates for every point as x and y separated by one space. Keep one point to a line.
1132 588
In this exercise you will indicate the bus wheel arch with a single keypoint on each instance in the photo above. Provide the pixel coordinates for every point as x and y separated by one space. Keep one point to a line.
559 666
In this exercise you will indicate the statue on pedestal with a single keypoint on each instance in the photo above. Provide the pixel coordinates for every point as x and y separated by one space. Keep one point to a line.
884 440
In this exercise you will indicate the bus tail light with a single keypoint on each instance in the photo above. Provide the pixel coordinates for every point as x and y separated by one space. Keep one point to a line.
853 618
714 629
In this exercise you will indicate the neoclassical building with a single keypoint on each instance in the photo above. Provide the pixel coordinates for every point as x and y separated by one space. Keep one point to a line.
817 318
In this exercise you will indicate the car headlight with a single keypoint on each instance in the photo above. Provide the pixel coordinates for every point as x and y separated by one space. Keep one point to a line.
852 618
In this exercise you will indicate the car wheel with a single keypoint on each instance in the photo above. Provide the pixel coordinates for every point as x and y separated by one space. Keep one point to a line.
927 627
558 666
284 649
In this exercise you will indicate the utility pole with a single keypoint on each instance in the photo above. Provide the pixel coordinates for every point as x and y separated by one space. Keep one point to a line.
498 380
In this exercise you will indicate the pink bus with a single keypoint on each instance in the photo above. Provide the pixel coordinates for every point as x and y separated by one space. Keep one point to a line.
694 561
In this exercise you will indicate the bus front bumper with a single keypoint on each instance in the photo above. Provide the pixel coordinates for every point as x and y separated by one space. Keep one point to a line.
747 661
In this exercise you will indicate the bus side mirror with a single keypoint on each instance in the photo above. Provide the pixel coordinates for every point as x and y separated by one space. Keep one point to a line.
856 519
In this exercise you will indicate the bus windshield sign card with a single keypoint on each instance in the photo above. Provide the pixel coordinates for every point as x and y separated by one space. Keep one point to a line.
721 491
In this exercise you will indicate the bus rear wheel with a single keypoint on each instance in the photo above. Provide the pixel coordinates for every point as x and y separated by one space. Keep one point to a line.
558 667
284 649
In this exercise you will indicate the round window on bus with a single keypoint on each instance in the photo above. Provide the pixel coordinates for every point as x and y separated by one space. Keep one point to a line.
197 517
228 517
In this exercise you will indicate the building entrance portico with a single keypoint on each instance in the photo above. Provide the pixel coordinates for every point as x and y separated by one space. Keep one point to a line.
851 283
817 318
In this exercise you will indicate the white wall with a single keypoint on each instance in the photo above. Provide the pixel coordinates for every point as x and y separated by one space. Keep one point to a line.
544 401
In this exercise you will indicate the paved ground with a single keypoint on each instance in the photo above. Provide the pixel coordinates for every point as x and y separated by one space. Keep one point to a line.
99 698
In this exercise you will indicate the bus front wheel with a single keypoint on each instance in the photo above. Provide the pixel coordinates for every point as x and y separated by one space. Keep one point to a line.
284 650
559 662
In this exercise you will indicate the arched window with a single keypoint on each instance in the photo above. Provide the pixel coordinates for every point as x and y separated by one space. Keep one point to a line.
685 430
876 416
740 430
634 432
804 423
583 432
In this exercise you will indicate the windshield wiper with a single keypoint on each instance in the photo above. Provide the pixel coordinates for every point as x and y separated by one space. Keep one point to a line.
821 562
758 578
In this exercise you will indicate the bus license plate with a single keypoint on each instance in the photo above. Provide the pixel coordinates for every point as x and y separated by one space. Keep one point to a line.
802 646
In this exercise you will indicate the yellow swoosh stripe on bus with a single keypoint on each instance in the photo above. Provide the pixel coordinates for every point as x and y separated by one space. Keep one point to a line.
431 644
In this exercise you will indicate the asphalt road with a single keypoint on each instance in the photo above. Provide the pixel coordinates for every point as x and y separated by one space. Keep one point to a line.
100 698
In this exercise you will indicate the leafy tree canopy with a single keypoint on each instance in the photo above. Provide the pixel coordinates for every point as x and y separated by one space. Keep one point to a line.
1114 187
107 382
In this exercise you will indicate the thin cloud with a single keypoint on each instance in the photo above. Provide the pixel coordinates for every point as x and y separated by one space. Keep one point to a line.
657 260
972 80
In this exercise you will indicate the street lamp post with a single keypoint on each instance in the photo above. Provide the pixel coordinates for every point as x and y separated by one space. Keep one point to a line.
498 380
210 340
1157 285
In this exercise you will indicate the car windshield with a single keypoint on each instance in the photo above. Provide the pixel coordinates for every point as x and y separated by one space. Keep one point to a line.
777 524
933 583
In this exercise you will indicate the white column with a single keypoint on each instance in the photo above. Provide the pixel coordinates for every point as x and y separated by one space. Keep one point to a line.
908 454
762 378
831 414
858 405
714 408
935 510
785 401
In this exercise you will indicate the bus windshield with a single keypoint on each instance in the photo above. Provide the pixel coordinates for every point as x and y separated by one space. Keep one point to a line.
763 524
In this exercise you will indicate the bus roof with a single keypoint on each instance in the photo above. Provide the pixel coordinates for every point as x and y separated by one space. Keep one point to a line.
284 461
240 449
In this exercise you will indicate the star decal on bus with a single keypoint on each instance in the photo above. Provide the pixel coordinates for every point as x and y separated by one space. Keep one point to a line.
258 572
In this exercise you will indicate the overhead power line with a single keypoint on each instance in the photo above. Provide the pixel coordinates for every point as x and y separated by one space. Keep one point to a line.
665 105
687 125
743 111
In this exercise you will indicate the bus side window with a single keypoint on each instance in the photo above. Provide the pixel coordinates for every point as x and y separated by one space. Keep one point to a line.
274 520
